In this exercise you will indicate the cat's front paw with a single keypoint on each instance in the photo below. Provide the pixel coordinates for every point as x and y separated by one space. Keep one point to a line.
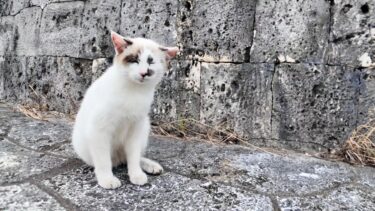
138 179
110 182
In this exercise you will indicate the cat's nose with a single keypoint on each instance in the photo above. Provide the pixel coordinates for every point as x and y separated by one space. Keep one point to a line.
143 74
148 72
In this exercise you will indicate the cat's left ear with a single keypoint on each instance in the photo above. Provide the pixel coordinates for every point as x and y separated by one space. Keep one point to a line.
119 42
170 51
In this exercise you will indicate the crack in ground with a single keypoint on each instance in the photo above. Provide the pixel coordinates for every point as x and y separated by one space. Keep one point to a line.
67 204
275 203
13 141
66 166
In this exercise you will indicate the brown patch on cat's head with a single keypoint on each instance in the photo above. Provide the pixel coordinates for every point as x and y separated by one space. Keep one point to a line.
131 53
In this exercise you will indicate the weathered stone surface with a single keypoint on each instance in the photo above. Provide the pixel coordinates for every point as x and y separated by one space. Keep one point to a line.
7 35
43 3
197 176
26 197
353 31
164 108
74 76
178 95
56 83
299 30
315 104
48 47
60 30
238 96
366 96
301 176
14 81
43 136
351 16
150 19
216 30
12 7
260 171
169 191
26 35
343 198
98 19
17 164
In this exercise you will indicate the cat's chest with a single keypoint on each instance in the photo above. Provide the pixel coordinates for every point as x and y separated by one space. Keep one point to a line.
131 106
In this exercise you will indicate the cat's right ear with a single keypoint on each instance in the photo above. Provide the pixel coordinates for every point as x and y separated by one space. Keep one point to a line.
119 42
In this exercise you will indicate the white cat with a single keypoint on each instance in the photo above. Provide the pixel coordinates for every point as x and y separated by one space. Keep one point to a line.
112 125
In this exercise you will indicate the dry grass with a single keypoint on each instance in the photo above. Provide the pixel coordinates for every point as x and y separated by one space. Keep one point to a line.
360 147
191 129
36 112
39 109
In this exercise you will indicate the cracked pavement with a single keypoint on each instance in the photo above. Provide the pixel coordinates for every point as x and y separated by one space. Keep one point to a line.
39 171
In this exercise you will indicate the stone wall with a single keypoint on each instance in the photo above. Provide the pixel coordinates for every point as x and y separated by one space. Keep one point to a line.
290 73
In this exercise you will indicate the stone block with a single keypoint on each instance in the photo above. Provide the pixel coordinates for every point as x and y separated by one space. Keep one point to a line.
366 105
12 7
27 34
64 95
352 17
151 19
98 19
60 30
299 30
314 104
239 97
353 32
80 187
216 30
14 80
347 197
26 197
42 136
164 108
18 164
178 94
8 36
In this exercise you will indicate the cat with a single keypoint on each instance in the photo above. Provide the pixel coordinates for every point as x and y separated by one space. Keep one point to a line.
112 125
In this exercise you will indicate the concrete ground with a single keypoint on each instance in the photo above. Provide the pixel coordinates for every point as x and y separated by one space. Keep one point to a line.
39 171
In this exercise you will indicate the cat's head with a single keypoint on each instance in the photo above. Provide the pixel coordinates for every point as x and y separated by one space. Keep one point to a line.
140 60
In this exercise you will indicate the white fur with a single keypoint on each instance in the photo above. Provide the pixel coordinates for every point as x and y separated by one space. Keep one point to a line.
112 125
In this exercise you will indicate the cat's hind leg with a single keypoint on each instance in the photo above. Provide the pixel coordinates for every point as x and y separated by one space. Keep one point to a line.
100 151
150 166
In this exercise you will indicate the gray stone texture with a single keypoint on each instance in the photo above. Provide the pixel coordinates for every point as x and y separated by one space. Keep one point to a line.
299 29
224 87
216 30
152 19
316 104
26 197
198 176
353 31
230 73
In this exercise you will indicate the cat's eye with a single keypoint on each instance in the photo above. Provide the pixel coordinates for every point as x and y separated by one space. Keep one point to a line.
150 60
131 59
